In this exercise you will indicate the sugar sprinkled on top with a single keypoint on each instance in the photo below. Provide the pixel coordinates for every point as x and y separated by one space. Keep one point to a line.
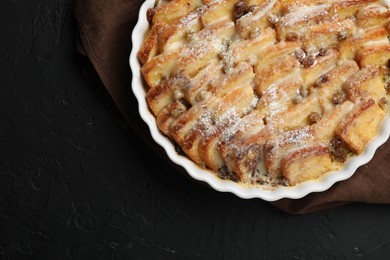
238 127
304 14
386 2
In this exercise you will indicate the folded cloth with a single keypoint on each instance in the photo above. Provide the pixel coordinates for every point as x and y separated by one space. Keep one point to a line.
104 31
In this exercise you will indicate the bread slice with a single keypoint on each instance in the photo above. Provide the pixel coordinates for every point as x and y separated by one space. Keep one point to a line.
361 125
366 82
308 163
374 15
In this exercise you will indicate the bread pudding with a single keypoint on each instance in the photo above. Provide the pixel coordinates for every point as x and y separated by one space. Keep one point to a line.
268 93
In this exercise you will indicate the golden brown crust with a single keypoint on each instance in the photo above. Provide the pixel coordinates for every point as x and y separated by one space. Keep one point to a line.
149 47
259 90
372 16
366 82
373 55
307 164
345 8
361 125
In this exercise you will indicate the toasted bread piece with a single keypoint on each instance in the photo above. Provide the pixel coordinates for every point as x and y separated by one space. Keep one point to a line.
169 19
361 125
174 38
241 147
235 93
373 16
208 148
229 108
328 34
298 19
164 93
321 64
168 115
347 8
318 101
198 89
279 97
350 46
373 55
266 74
278 50
275 149
159 68
368 82
149 47
170 11
241 74
189 59
325 128
218 11
308 163
296 115
252 23
330 83
212 43
248 154
256 47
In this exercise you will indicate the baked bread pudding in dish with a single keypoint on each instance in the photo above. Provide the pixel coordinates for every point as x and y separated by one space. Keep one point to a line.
268 93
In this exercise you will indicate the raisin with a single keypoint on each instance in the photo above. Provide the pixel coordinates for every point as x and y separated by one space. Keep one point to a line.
303 91
273 19
189 36
149 14
255 33
308 62
388 88
225 174
321 80
342 36
298 99
324 79
383 102
300 55
184 103
292 37
176 112
314 117
240 9
338 98
339 150
178 150
322 51
252 8
200 96
178 94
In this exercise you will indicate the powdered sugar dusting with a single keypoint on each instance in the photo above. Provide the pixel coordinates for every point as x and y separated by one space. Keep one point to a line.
386 2
304 14
270 101
297 136
209 124
249 132
260 12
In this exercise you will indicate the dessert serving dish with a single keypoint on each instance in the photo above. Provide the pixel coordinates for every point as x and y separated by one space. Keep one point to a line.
264 98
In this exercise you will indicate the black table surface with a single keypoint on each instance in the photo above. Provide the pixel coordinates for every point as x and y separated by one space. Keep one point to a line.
74 184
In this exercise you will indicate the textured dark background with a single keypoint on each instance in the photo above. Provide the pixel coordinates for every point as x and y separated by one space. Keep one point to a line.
75 185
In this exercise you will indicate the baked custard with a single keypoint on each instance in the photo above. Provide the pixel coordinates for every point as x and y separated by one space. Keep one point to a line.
268 93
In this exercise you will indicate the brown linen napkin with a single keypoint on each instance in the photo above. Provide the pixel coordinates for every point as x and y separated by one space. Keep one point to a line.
104 30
